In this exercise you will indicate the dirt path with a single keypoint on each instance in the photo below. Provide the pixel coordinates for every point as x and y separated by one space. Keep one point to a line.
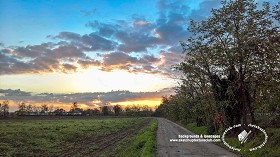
168 130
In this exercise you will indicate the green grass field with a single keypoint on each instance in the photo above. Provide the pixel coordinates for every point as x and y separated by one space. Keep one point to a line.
75 137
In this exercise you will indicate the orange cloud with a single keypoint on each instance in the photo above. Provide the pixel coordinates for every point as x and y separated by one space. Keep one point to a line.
141 23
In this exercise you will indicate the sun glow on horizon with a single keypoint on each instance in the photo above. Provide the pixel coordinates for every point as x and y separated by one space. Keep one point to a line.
152 103
149 102
89 80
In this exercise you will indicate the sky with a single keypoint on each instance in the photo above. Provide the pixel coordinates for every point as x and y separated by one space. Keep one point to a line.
93 52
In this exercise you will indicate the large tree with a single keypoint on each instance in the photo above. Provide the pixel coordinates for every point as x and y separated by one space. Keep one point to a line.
236 52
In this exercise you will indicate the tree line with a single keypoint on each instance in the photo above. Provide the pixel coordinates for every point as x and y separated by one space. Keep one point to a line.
231 70
25 109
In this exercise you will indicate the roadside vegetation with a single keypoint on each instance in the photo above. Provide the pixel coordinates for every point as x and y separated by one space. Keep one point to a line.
64 137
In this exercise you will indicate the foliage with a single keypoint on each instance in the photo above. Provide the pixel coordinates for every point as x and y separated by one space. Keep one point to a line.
75 109
117 110
4 108
24 109
106 110
138 110
197 129
44 108
59 112
231 69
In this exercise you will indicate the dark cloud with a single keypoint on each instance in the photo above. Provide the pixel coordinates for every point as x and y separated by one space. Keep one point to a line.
100 43
30 51
118 58
66 51
88 62
136 41
136 36
11 65
103 29
204 10
2 44
87 42
149 59
67 36
89 12
176 49
44 58
10 92
68 68
172 21
169 59
141 23
123 61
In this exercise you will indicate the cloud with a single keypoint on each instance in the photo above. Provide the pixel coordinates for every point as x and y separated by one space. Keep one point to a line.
87 42
66 51
30 51
10 65
89 12
68 68
99 43
2 44
141 23
131 38
103 29
169 59
172 21
44 58
204 10
136 41
118 58
88 62
123 61
67 35
10 92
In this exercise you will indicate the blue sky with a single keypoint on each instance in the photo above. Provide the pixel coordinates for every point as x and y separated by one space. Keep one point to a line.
29 22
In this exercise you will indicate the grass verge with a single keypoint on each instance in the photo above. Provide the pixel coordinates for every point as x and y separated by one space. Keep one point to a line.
143 144
197 129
